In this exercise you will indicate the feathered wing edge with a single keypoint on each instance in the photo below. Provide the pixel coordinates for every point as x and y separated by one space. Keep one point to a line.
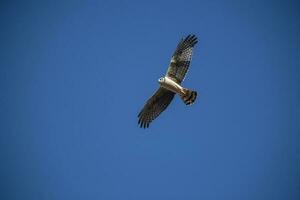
155 106
189 41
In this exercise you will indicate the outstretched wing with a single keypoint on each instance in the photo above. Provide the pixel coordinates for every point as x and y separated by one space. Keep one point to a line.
181 59
154 106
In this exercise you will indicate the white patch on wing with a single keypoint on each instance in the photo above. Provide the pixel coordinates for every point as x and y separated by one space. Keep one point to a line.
173 60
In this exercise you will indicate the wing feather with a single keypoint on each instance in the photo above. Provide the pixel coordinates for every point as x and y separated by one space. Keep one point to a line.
155 106
181 58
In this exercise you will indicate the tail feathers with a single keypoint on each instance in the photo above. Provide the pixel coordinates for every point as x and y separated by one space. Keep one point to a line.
189 97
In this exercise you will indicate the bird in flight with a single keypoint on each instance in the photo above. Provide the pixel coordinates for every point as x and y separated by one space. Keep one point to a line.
170 84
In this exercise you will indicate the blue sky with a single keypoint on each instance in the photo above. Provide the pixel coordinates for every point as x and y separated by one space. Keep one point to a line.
75 74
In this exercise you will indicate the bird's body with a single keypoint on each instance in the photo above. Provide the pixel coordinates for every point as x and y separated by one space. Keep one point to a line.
171 83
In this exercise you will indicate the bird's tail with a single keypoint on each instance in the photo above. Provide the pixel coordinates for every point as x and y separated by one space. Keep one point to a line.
189 96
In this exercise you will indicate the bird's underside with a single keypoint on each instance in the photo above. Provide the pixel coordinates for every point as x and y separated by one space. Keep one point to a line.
171 83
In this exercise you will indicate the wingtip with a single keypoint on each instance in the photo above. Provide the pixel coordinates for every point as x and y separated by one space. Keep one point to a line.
143 124
191 39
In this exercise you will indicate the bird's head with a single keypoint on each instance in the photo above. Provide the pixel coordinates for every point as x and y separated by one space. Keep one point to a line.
161 80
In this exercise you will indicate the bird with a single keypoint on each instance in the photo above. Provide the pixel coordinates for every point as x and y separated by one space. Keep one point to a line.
170 84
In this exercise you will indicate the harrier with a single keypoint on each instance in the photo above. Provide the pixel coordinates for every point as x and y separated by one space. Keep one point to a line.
171 83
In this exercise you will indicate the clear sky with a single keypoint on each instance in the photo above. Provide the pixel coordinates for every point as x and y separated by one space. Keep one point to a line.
75 74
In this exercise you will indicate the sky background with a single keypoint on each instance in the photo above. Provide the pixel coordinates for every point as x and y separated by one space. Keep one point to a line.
75 74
